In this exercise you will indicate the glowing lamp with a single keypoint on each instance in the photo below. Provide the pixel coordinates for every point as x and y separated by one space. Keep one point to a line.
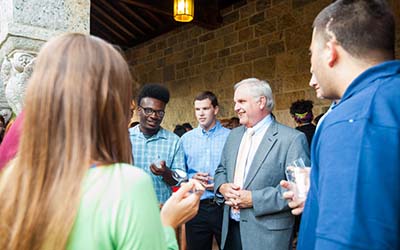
183 10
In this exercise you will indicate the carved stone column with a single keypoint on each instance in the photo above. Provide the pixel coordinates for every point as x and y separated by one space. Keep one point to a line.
24 26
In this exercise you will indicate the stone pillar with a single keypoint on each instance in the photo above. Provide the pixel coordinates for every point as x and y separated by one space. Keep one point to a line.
24 26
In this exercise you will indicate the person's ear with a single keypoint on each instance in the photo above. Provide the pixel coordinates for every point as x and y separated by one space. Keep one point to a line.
263 102
332 52
216 110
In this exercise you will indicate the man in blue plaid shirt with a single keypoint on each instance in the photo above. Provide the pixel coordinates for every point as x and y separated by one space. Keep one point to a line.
203 148
156 150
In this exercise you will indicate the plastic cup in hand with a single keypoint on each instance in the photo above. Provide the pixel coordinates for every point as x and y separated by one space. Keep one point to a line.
182 175
157 162
298 176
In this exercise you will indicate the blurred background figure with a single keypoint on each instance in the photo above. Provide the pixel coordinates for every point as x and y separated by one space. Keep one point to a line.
187 126
225 122
2 128
230 123
179 130
71 183
317 118
301 112
133 124
9 145
234 123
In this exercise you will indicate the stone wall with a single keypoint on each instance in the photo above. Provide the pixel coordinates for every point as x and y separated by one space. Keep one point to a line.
267 39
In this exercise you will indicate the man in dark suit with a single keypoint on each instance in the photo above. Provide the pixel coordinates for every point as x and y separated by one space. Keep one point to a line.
254 158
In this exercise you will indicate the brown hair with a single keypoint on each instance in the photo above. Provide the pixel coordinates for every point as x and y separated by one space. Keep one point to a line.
361 27
207 95
80 87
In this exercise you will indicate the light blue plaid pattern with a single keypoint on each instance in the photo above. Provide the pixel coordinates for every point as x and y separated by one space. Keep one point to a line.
203 151
162 146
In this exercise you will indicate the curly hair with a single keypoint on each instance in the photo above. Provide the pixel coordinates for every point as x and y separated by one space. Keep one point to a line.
301 111
153 90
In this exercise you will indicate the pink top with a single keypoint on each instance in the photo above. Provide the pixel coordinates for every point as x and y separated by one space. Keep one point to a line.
9 146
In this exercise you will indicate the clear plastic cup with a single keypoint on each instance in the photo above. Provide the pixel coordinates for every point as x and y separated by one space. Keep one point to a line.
298 175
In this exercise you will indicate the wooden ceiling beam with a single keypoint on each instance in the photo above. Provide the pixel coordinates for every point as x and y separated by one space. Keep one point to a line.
105 25
104 35
104 14
116 12
161 7
134 14
155 18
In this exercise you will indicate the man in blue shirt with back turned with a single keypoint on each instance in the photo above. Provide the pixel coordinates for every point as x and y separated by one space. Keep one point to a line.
353 202
203 147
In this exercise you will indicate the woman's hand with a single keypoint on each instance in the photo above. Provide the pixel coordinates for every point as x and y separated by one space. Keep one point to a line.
183 204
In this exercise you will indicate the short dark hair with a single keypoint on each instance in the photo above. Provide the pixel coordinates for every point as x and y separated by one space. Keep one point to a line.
301 110
179 130
207 95
234 118
187 125
360 26
155 91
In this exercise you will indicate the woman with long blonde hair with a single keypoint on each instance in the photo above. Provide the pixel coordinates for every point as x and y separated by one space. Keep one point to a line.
71 185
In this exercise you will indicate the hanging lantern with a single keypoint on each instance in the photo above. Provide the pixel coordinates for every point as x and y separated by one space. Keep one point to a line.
183 10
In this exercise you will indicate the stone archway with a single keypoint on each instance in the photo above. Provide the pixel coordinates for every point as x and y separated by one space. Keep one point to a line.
24 26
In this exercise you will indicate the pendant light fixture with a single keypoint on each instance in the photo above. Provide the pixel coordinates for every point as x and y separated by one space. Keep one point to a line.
183 10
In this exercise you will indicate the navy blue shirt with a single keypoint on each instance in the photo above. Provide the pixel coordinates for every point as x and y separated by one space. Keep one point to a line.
354 200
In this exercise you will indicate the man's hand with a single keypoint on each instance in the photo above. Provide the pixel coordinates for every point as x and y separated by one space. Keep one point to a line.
230 191
163 171
244 200
160 170
204 178
296 205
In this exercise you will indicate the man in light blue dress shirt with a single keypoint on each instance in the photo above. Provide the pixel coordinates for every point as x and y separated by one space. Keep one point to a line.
202 147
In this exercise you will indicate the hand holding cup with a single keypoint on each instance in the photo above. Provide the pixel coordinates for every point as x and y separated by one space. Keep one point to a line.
298 176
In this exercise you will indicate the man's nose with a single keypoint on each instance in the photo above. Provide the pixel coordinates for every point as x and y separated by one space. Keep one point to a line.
313 81
236 107
154 116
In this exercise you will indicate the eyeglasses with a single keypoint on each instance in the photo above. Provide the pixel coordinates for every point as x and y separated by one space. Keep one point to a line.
150 111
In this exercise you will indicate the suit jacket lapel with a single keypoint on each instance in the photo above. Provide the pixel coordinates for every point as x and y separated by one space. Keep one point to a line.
235 152
263 150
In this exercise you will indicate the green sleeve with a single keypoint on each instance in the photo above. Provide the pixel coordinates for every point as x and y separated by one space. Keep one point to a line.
170 238
137 224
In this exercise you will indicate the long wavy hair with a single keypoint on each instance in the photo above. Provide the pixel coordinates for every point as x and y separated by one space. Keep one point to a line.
76 114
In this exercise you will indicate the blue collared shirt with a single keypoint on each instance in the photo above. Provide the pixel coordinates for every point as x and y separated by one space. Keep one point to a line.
353 202
203 151
162 146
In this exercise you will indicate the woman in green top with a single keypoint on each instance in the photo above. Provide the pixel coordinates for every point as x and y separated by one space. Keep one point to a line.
71 185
